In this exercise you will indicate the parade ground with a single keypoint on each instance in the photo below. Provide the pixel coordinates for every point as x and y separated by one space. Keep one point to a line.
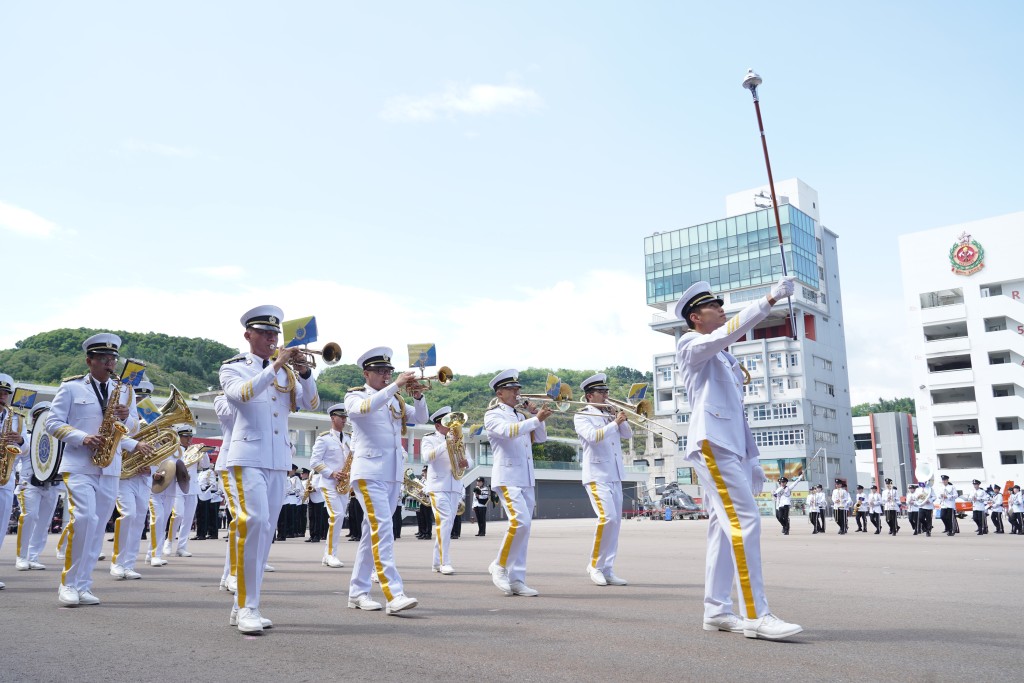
873 608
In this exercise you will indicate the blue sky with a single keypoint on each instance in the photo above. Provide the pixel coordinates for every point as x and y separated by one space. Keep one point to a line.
480 175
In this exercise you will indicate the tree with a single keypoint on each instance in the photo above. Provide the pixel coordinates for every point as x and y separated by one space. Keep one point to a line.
896 405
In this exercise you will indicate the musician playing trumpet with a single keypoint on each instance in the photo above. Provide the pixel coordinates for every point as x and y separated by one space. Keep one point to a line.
602 431
444 489
332 450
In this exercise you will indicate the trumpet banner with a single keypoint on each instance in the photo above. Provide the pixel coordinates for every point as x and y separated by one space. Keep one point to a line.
299 331
422 355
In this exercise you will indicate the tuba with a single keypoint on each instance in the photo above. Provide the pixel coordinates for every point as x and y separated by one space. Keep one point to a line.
414 489
10 452
456 448
194 453
111 429
159 435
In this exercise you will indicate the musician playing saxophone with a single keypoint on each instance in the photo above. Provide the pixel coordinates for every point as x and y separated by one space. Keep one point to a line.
444 489
14 436
601 433
332 451
77 415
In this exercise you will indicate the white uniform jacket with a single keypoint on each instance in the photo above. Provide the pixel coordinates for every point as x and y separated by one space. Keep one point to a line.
226 417
511 435
912 504
259 436
891 499
783 494
330 451
979 499
947 496
206 485
875 503
377 419
602 444
75 413
840 499
434 451
996 502
1017 502
714 384
22 463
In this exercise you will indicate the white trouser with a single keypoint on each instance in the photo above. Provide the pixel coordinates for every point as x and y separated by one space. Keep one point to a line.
230 568
90 502
132 503
606 499
518 503
160 510
184 513
37 506
375 553
337 505
444 504
734 535
6 503
258 493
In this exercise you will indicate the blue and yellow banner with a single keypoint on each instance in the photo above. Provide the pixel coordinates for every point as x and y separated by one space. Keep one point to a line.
133 372
422 355
637 392
475 430
553 387
147 410
23 398
299 331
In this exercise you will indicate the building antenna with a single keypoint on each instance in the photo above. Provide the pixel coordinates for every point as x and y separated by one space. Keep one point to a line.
751 82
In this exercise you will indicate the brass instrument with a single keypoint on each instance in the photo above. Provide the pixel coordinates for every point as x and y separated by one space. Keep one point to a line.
11 452
444 376
640 416
159 435
330 355
194 453
453 439
414 488
560 403
111 429
344 485
307 490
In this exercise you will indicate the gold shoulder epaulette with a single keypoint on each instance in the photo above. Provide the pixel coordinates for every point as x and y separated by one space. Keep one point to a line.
359 388
72 378
234 359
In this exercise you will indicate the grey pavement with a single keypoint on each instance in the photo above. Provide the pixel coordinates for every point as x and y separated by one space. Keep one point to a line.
873 608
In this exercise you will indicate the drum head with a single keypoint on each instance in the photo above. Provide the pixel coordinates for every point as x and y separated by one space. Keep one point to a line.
45 450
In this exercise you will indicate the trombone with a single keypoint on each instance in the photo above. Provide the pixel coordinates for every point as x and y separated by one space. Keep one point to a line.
639 416
558 403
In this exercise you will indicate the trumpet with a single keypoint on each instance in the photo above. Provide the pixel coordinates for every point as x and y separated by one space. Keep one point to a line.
420 384
330 355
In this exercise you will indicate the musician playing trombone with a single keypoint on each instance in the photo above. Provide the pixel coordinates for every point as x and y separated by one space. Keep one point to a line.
602 429
722 450
331 451
511 433
443 487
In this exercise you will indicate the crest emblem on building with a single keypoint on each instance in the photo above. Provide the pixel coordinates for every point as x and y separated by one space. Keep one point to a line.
966 256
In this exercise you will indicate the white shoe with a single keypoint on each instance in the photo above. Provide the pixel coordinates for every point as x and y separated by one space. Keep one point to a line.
167 547
233 619
447 569
769 627
268 568
249 620
613 580
363 602
132 574
60 554
157 562
400 603
117 571
183 553
21 565
373 578
87 598
232 584
332 561
68 596
499 577
3 586
520 588
596 576
435 569
102 557
725 622
32 564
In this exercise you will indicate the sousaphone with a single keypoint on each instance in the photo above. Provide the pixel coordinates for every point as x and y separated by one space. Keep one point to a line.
46 451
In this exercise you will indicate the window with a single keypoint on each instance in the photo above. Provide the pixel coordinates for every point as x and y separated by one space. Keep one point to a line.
821 273
685 475
659 462
779 437
823 363
825 437
752 362
818 240
682 418
666 373
754 388
793 383
794 360
825 387
1011 457
773 411
775 360
659 481
777 384
810 294
862 442
825 412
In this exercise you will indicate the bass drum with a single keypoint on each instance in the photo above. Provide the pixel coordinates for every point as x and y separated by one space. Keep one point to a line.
45 450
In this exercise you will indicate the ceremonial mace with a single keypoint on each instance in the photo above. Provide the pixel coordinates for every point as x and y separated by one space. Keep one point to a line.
751 82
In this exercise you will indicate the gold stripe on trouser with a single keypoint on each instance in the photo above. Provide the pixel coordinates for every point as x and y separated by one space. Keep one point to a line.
437 525
152 528
170 527
735 530
70 529
21 520
375 542
602 519
62 542
513 526
117 531
232 525
242 530
330 526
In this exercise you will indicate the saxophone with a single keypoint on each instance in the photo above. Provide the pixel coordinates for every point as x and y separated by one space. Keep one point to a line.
10 452
344 485
111 429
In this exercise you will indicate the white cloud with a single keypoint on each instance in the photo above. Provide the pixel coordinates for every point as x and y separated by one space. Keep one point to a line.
25 222
220 272
472 100
139 147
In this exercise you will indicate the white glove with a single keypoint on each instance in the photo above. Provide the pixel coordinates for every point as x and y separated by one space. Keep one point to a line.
757 479
784 288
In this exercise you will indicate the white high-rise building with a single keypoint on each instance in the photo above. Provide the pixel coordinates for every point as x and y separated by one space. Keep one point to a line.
963 286
798 399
